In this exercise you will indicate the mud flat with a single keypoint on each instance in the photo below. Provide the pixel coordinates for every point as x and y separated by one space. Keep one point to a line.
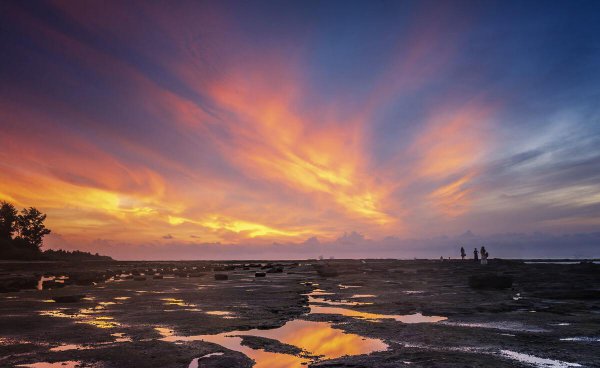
369 313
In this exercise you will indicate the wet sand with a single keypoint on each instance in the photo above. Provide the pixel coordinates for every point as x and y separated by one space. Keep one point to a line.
374 313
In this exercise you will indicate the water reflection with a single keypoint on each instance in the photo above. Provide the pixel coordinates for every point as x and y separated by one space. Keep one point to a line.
178 302
405 318
312 300
224 314
84 315
195 362
498 325
536 361
63 364
315 338
43 279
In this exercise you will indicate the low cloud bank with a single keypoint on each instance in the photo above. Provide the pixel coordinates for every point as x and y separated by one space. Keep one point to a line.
354 245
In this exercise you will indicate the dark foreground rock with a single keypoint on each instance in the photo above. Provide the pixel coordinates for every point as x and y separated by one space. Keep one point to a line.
68 298
490 281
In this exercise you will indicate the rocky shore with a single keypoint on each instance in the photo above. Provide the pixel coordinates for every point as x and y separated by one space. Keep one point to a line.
174 314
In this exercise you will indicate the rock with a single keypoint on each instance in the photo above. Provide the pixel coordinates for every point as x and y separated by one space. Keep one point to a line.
275 270
490 281
53 284
326 271
260 274
68 298
85 278
270 345
221 276
11 284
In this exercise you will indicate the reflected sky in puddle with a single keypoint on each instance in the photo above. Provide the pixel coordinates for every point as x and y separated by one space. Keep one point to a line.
363 296
501 325
178 302
537 361
316 338
119 337
43 279
84 315
341 286
224 314
63 364
581 339
195 362
312 300
406 318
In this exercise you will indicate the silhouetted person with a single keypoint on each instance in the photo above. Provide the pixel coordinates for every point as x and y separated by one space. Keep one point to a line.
484 255
475 255
462 253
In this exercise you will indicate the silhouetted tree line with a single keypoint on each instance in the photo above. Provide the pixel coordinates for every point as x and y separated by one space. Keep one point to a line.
75 255
22 234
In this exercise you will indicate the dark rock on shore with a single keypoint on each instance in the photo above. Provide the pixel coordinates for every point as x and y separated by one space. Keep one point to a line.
270 345
68 298
12 284
490 281
221 276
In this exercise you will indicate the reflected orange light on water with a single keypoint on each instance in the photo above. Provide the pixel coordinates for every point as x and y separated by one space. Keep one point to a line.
314 338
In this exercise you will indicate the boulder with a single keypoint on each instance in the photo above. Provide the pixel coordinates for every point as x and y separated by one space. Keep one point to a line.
68 298
260 274
221 276
11 284
490 281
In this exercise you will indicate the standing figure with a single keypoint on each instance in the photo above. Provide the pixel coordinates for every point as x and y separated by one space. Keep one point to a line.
484 255
462 253
475 255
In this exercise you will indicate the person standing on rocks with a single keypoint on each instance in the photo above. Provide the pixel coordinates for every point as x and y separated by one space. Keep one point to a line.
484 255
462 253
475 255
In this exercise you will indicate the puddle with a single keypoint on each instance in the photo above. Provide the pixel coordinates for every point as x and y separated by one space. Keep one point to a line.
43 279
315 338
177 302
356 296
195 362
224 314
122 297
503 326
86 315
405 318
348 286
319 292
537 361
63 364
581 339
312 300
66 347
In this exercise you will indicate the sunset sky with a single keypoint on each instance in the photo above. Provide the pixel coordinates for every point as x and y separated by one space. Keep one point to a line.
175 129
